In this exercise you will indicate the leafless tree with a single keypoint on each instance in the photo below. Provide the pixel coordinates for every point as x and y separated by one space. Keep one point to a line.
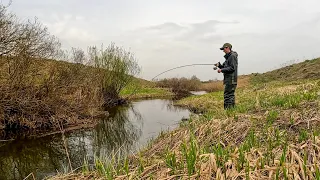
29 38
78 55
37 94
9 31
24 41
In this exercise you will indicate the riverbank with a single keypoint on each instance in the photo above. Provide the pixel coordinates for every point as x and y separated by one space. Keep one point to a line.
54 96
272 133
45 88
126 129
135 93
47 96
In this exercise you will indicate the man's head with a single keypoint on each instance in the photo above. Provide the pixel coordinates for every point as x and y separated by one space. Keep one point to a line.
226 48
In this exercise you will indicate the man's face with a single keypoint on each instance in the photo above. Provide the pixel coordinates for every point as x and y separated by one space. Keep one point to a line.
226 50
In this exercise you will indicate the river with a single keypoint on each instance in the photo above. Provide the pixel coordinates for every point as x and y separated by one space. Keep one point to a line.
126 130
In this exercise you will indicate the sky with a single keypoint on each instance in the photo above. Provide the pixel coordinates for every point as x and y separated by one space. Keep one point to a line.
169 33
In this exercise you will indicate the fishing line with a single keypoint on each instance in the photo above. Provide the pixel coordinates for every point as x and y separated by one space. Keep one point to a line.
171 70
180 67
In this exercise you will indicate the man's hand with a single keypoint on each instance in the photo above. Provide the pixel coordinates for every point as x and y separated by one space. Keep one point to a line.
217 64
219 70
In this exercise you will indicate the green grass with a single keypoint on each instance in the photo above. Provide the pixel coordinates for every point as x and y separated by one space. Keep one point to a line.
146 90
259 138
222 154
255 98
317 174
189 152
171 161
136 91
272 116
264 135
308 69
303 135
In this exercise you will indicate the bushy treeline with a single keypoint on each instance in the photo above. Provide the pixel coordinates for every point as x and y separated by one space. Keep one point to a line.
39 93
180 85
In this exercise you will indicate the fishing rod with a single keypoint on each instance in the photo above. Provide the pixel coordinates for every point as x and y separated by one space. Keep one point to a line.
172 70
181 67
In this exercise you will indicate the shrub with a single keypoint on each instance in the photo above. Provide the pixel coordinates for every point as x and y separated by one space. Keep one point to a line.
180 85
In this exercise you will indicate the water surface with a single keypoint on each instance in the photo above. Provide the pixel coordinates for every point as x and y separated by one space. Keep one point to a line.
127 129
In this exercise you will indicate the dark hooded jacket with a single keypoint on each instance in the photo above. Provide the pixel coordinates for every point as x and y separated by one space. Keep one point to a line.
230 68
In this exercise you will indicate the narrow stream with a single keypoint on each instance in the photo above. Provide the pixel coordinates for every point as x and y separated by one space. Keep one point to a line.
126 130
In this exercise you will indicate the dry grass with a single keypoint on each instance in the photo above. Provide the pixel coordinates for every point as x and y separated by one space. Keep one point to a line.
180 86
220 144
48 95
272 134
73 176
309 69
40 95
214 86
256 97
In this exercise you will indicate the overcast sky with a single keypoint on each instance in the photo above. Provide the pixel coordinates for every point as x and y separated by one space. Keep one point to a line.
167 33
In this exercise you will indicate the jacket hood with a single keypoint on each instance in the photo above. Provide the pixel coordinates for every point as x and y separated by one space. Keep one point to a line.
234 53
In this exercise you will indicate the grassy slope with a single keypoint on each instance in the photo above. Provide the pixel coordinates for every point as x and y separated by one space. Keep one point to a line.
273 133
309 69
51 89
141 88
48 90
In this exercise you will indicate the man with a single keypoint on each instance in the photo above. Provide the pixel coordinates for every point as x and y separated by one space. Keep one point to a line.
230 72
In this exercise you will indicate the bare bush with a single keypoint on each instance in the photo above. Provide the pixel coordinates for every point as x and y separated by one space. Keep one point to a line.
9 31
57 96
180 85
39 94
21 42
119 68
78 55
25 38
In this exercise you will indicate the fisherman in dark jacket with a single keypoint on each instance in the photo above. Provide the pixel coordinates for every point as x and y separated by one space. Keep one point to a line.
230 72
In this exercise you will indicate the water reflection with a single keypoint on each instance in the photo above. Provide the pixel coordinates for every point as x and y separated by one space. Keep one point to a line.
198 92
41 156
158 115
118 131
127 129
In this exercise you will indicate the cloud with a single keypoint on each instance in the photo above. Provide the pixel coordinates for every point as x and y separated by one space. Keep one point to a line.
69 29
171 44
172 37
170 33
185 32
166 27
77 33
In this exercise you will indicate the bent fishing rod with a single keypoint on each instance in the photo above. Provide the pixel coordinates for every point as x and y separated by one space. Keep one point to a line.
172 70
181 67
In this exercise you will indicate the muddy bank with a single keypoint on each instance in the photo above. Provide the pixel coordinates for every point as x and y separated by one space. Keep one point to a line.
17 130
